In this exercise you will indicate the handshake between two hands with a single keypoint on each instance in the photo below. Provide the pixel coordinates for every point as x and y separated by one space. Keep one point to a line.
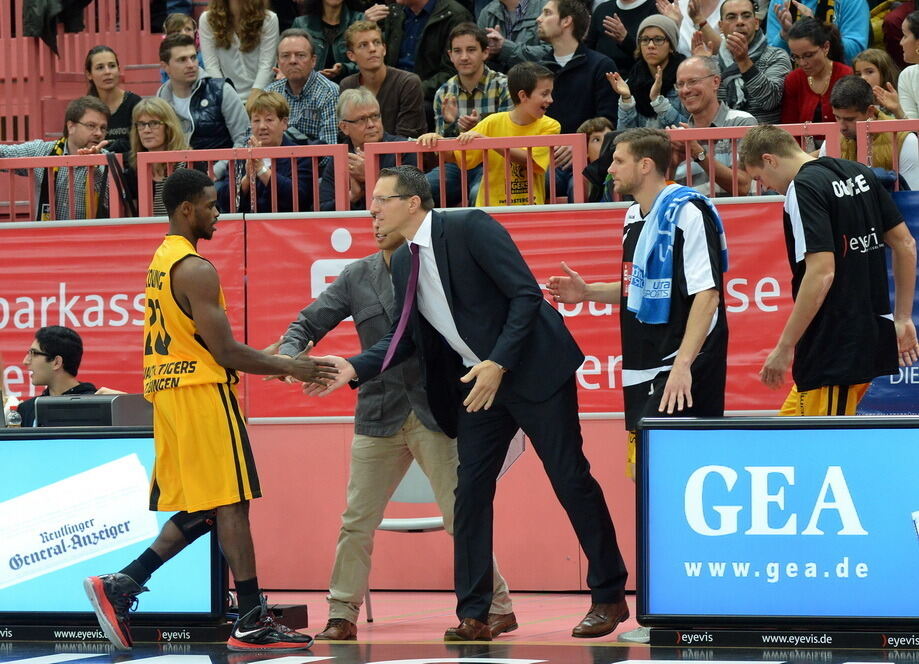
320 375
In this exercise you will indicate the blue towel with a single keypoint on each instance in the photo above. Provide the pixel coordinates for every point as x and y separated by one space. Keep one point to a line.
652 265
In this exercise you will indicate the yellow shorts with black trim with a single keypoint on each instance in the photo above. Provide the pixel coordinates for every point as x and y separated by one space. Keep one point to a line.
827 400
203 457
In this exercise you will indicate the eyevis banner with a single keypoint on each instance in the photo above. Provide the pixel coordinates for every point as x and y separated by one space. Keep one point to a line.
778 520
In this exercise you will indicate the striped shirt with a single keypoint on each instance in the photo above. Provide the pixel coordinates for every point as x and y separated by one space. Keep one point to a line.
489 96
312 112
40 148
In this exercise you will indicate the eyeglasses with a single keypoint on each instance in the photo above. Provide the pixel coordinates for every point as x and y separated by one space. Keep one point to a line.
92 126
379 200
657 41
152 124
364 119
679 85
805 56
34 351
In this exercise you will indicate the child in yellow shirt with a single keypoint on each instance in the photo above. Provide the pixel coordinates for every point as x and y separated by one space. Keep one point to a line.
530 86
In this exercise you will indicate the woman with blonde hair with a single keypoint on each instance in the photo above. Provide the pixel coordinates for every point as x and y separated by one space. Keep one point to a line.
881 73
155 128
239 40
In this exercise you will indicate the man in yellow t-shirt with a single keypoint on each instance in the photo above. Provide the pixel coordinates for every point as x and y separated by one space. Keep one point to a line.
530 85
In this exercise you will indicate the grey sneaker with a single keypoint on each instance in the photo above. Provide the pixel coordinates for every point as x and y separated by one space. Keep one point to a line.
637 635
113 596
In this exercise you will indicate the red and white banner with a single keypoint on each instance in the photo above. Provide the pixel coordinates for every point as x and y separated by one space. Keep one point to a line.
271 268
91 278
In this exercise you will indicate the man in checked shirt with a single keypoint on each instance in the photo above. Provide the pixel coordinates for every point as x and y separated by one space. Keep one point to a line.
459 104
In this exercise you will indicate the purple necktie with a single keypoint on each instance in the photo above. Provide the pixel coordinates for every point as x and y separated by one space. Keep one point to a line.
410 289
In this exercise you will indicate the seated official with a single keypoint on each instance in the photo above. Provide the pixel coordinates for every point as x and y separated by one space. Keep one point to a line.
268 113
53 361
361 123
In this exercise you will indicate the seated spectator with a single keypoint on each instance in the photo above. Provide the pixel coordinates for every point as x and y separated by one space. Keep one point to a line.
104 75
210 111
909 78
463 101
853 101
269 113
240 46
530 85
815 47
326 22
156 128
647 97
892 27
85 124
850 17
752 72
881 73
360 122
614 30
400 93
509 24
697 81
580 90
596 130
416 33
53 361
185 25
310 96
693 16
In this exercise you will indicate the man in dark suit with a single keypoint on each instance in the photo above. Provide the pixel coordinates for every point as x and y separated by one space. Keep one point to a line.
495 357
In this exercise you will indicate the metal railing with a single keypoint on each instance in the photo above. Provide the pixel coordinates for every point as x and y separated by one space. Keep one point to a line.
207 159
577 143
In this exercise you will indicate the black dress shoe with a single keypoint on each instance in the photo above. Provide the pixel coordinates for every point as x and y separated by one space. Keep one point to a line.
601 620
469 629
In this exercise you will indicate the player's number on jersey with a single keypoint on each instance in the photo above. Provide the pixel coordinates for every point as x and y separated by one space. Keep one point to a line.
158 338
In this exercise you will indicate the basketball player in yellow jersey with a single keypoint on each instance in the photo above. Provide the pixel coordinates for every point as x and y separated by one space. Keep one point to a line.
204 466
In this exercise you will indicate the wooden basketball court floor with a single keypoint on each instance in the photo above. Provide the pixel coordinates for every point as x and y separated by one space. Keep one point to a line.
408 629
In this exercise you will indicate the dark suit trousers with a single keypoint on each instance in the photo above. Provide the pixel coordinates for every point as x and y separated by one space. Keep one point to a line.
555 432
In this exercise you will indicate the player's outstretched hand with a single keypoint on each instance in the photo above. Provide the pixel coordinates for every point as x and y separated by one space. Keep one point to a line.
907 345
569 289
344 373
307 369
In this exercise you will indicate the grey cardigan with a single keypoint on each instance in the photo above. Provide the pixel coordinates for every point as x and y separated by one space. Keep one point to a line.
364 291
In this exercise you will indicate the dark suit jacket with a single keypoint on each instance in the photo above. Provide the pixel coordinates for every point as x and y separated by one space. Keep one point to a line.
499 312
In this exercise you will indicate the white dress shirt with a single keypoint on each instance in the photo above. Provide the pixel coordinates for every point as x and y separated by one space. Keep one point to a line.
432 300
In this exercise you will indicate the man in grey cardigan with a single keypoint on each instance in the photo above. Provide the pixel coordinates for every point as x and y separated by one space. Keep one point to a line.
392 425
752 72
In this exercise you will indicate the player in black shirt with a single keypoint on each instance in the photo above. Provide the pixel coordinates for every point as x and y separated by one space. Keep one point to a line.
677 364
841 333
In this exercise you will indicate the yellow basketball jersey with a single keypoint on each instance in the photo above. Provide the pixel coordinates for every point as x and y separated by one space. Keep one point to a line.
174 352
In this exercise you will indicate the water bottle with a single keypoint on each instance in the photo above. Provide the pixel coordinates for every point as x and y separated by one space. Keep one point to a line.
14 419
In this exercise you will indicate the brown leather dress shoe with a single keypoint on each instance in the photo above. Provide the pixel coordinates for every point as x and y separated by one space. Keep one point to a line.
499 623
601 620
469 629
338 629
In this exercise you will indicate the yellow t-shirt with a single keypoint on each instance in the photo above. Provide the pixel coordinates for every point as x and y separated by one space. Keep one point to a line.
500 125
174 352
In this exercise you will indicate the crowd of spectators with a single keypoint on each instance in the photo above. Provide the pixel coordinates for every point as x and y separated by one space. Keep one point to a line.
352 72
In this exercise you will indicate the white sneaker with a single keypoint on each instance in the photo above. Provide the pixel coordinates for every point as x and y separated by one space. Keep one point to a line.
637 635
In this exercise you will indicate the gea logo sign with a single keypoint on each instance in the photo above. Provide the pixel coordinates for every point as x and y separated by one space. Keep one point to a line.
833 496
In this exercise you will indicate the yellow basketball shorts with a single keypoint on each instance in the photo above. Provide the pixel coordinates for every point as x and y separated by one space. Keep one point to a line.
827 400
203 457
